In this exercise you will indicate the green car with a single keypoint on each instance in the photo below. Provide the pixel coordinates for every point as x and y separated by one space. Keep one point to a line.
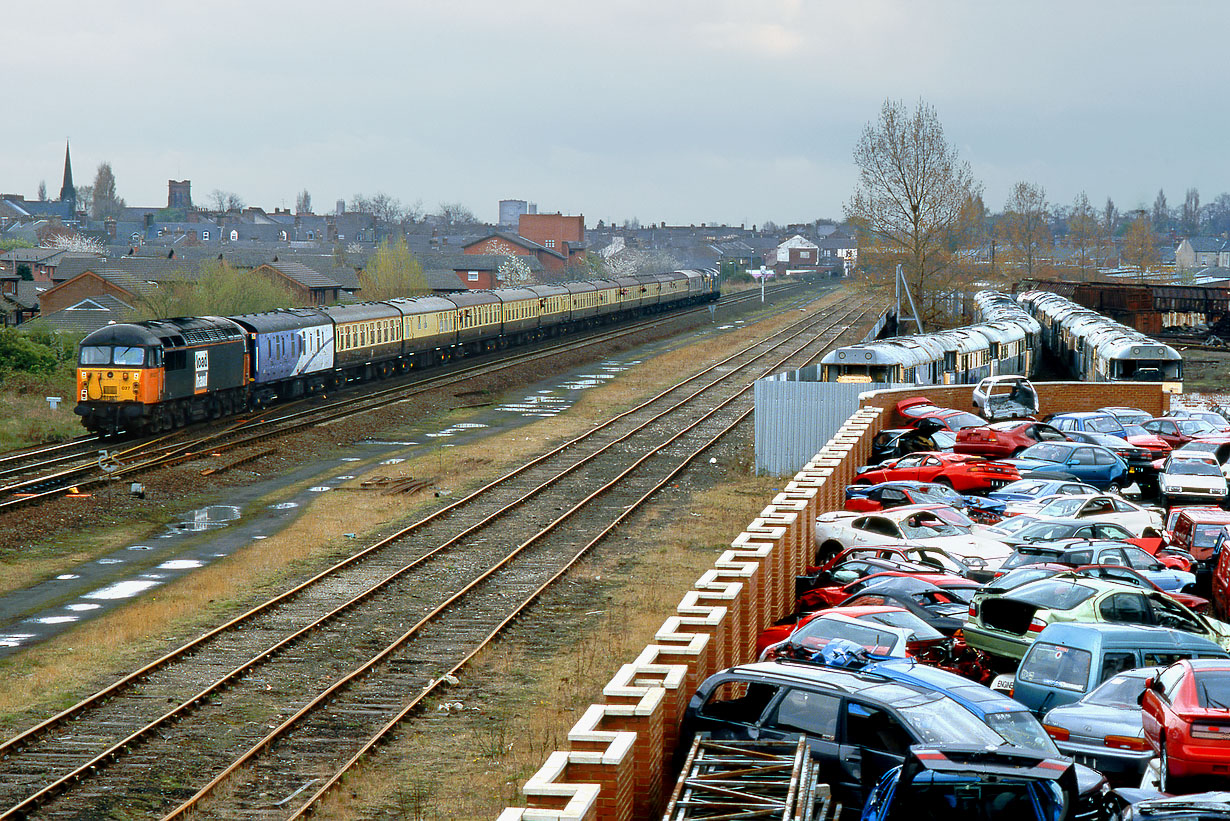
1004 624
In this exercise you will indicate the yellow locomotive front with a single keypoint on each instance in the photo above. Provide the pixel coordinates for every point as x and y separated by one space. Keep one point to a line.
119 377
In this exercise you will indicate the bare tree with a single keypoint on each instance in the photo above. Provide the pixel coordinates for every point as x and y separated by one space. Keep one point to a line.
1083 232
361 204
85 198
105 204
303 202
1026 223
1110 217
414 211
911 190
42 190
1161 214
225 201
454 213
386 209
233 202
1191 212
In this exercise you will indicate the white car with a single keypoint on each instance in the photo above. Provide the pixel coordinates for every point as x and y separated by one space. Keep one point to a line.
1102 507
1191 479
1005 397
933 525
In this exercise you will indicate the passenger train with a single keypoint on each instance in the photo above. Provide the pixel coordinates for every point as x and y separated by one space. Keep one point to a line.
1006 341
161 374
1097 349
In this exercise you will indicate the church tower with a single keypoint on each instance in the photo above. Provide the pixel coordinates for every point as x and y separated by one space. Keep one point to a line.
68 192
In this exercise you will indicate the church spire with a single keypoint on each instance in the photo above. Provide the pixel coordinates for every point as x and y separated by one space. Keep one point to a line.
68 192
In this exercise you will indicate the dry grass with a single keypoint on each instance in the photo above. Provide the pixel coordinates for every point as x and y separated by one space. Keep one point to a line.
535 713
26 418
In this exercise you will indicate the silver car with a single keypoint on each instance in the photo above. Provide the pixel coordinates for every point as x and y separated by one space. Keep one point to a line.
1103 729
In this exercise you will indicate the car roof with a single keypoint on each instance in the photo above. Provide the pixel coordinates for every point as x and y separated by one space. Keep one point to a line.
796 672
1080 414
949 683
1133 635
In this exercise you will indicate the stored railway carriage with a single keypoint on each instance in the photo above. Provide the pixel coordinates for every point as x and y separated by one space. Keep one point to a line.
1097 349
150 376
1003 343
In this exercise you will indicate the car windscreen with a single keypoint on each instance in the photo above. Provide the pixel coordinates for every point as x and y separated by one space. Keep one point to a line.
954 517
1118 691
1032 487
942 720
1045 531
1103 424
963 420
1022 730
1053 594
1194 427
940 797
1022 576
1056 665
1213 689
1044 452
1192 467
929 525
1062 507
1135 430
1011 526
819 632
919 629
1206 535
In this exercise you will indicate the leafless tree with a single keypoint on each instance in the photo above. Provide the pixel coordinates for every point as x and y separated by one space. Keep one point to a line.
42 190
85 198
1161 214
1140 246
454 213
303 202
387 209
105 203
1026 223
911 190
1083 232
1191 212
225 200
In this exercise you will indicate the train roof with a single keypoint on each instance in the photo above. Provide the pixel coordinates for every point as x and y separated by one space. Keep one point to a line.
282 319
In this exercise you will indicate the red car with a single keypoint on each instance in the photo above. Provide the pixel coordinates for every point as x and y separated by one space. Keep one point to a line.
917 408
1178 432
960 471
1185 710
1001 439
960 588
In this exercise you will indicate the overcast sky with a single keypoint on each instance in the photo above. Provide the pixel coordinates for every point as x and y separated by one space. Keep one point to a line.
688 111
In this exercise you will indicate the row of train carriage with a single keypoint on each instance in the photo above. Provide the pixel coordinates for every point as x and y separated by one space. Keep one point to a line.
1008 340
161 374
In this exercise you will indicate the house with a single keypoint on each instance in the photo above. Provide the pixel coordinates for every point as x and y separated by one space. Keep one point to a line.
798 252
564 235
480 272
38 263
310 286
1200 252
88 315
501 244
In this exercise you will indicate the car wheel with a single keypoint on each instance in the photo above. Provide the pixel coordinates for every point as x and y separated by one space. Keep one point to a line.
945 481
1115 487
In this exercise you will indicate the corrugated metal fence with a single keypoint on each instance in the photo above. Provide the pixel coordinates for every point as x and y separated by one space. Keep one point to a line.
796 416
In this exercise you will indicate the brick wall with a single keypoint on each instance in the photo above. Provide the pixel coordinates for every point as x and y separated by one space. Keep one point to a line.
620 753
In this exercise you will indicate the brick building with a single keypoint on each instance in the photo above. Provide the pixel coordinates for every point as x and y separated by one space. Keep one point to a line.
556 232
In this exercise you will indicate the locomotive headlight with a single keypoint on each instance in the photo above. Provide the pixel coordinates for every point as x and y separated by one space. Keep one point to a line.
126 375
136 385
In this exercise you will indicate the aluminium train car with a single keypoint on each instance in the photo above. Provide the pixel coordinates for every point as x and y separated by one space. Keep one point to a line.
1099 349
156 375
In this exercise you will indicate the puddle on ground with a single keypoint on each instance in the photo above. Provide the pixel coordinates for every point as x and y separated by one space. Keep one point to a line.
181 564
14 639
110 561
64 577
138 547
386 442
284 506
121 590
392 461
56 619
206 518
80 606
319 489
351 459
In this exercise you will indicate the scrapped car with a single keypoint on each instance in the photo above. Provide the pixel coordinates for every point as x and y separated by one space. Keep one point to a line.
1099 552
1178 432
1195 529
1006 624
933 525
1103 729
867 498
960 471
1005 397
893 443
1032 571
1191 479
1217 420
1128 416
1088 421
857 726
1000 439
1070 659
1139 461
817 598
1141 438
880 630
933 604
1034 530
1218 447
1091 464
1185 711
1205 806
918 408
965 783
1103 507
1024 490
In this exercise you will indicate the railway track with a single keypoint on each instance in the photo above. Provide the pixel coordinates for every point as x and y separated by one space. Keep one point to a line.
280 701
47 473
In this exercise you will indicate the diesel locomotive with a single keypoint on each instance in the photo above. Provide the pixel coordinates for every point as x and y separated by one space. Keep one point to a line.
146 377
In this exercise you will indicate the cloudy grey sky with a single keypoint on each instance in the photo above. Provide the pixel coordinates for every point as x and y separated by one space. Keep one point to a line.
687 111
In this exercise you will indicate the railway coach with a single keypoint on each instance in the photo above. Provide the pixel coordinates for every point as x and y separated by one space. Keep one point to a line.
156 375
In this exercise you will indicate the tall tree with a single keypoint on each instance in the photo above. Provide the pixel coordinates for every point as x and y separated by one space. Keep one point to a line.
85 198
1026 225
1161 214
106 203
1083 233
454 213
392 271
1191 212
911 189
225 200
303 202
1140 246
42 190
1110 217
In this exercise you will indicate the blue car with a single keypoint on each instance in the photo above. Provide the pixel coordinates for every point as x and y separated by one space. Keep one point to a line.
1091 464
950 783
1027 490
1089 422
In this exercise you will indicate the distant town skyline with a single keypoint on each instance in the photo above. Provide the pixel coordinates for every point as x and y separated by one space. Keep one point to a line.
688 112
